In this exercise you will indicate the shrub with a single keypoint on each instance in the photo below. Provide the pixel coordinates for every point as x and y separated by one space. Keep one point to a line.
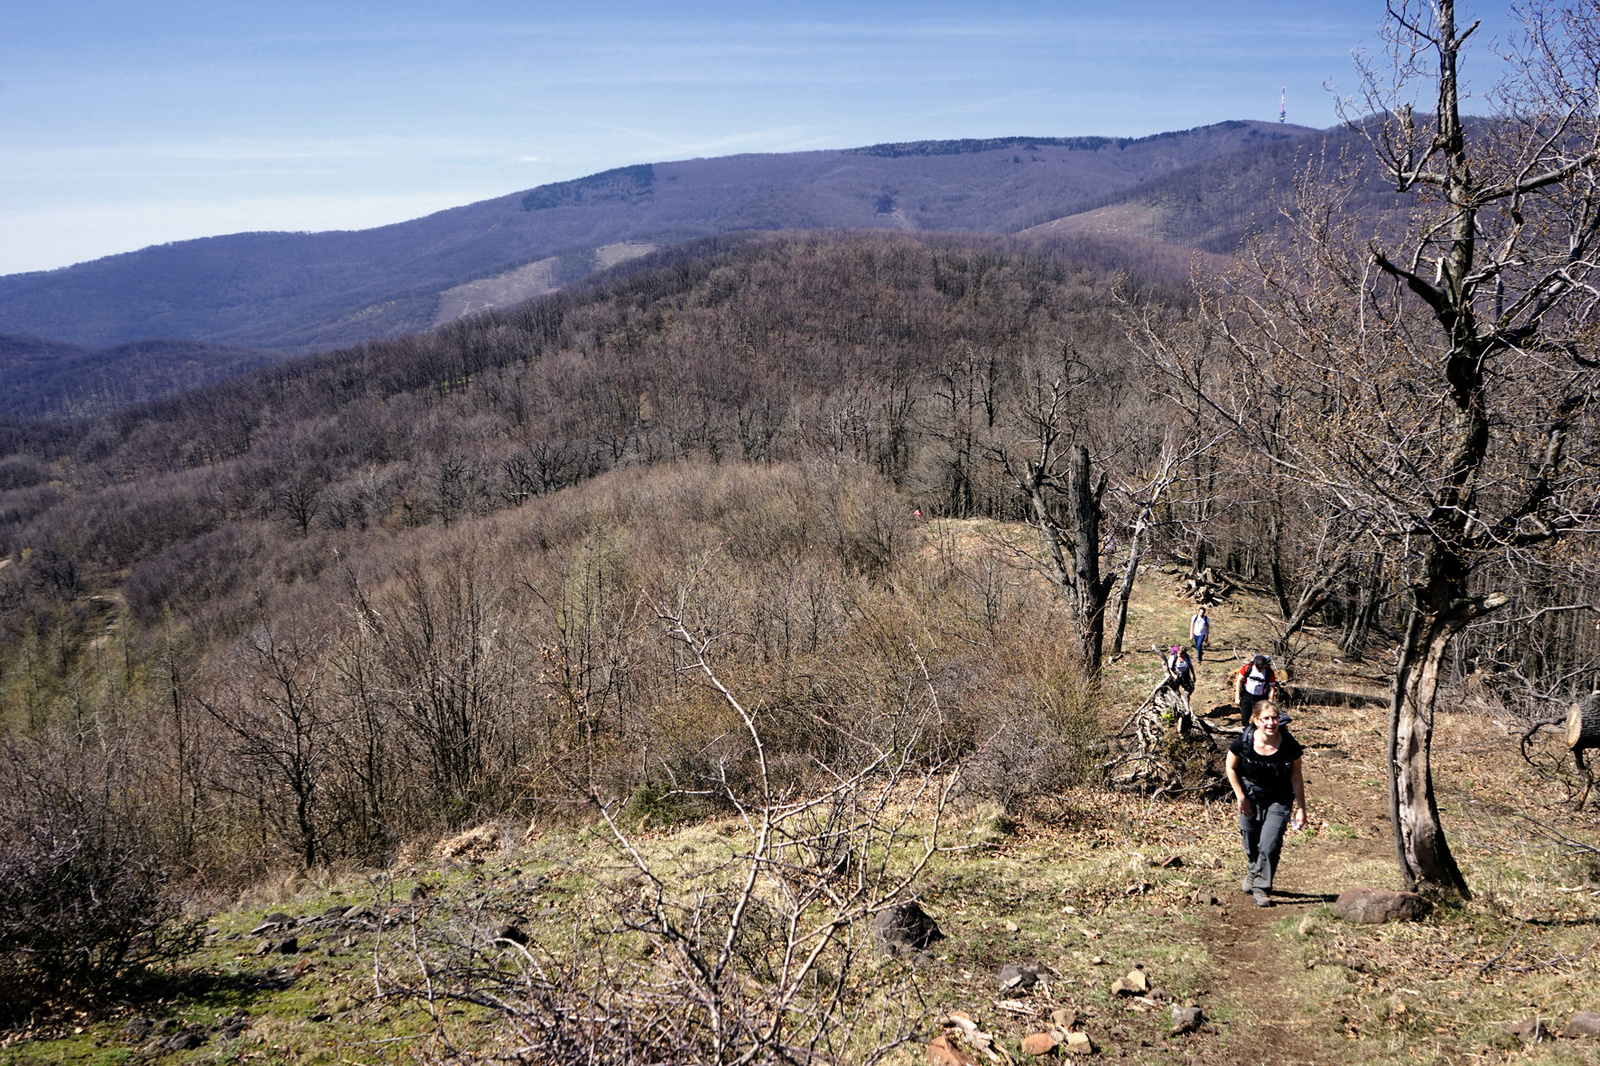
82 914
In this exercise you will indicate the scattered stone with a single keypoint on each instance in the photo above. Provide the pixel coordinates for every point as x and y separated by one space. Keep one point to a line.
1039 1044
335 912
265 947
905 928
1171 862
1065 1018
276 920
1584 1024
1133 983
1160 995
1078 1044
137 1028
1159 912
303 967
941 1052
1016 1006
513 933
287 946
1529 1030
1138 888
230 1027
358 913
1012 927
1014 976
961 1021
1373 906
419 892
1185 1019
320 1016
187 1040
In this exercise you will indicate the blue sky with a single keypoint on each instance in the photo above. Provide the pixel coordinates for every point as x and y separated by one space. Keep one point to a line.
127 124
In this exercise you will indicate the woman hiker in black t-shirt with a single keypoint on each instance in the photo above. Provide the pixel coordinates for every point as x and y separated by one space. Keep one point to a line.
1264 770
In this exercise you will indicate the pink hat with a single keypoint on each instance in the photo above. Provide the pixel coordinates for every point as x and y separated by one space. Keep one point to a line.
1174 649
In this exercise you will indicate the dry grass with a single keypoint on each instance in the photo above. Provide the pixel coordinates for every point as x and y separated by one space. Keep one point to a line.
1078 881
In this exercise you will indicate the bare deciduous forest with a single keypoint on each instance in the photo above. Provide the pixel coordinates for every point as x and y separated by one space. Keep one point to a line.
388 591
758 517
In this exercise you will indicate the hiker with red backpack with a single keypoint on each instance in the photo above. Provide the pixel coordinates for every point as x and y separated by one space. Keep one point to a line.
1257 681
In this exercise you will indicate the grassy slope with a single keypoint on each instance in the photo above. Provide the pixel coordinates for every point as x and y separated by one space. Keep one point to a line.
1072 884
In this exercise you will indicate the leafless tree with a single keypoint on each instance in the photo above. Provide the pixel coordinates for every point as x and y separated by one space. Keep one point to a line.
1431 385
1063 497
272 702
1176 457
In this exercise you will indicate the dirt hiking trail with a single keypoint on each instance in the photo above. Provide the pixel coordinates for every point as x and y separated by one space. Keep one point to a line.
1256 969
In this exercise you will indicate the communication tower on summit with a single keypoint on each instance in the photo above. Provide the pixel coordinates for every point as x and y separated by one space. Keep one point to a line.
1283 104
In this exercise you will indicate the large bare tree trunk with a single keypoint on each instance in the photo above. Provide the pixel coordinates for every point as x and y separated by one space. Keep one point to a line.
1423 853
1083 497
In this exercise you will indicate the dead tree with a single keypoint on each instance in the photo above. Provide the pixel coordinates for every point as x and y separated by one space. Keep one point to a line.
1052 475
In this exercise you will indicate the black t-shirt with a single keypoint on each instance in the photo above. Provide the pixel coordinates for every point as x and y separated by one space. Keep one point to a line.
1266 777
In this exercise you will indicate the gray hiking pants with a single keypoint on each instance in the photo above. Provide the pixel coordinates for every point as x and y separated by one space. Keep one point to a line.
1262 833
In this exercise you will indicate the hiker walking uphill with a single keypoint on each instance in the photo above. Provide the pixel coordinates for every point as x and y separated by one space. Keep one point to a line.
1264 770
1199 630
1180 671
1257 681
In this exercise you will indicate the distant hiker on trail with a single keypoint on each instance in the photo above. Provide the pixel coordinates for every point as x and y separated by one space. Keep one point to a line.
1256 682
1200 629
1180 671
1264 770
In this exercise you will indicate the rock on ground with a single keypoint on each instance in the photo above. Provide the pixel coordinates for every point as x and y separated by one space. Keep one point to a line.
1373 906
905 927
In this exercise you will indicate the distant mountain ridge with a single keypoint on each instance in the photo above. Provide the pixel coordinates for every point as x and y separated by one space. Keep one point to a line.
290 292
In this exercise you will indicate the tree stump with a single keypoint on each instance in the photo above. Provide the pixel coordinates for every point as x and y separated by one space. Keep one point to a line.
1583 732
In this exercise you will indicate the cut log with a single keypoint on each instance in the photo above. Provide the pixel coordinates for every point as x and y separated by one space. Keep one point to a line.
1583 732
1583 723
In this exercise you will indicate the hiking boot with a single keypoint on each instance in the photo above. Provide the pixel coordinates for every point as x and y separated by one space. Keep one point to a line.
1247 885
1260 896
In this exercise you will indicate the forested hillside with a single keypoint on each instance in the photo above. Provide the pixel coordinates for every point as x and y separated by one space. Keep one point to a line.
386 590
493 497
1216 204
51 379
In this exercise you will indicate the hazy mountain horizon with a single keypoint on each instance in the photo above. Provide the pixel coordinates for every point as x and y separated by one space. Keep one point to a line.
293 292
